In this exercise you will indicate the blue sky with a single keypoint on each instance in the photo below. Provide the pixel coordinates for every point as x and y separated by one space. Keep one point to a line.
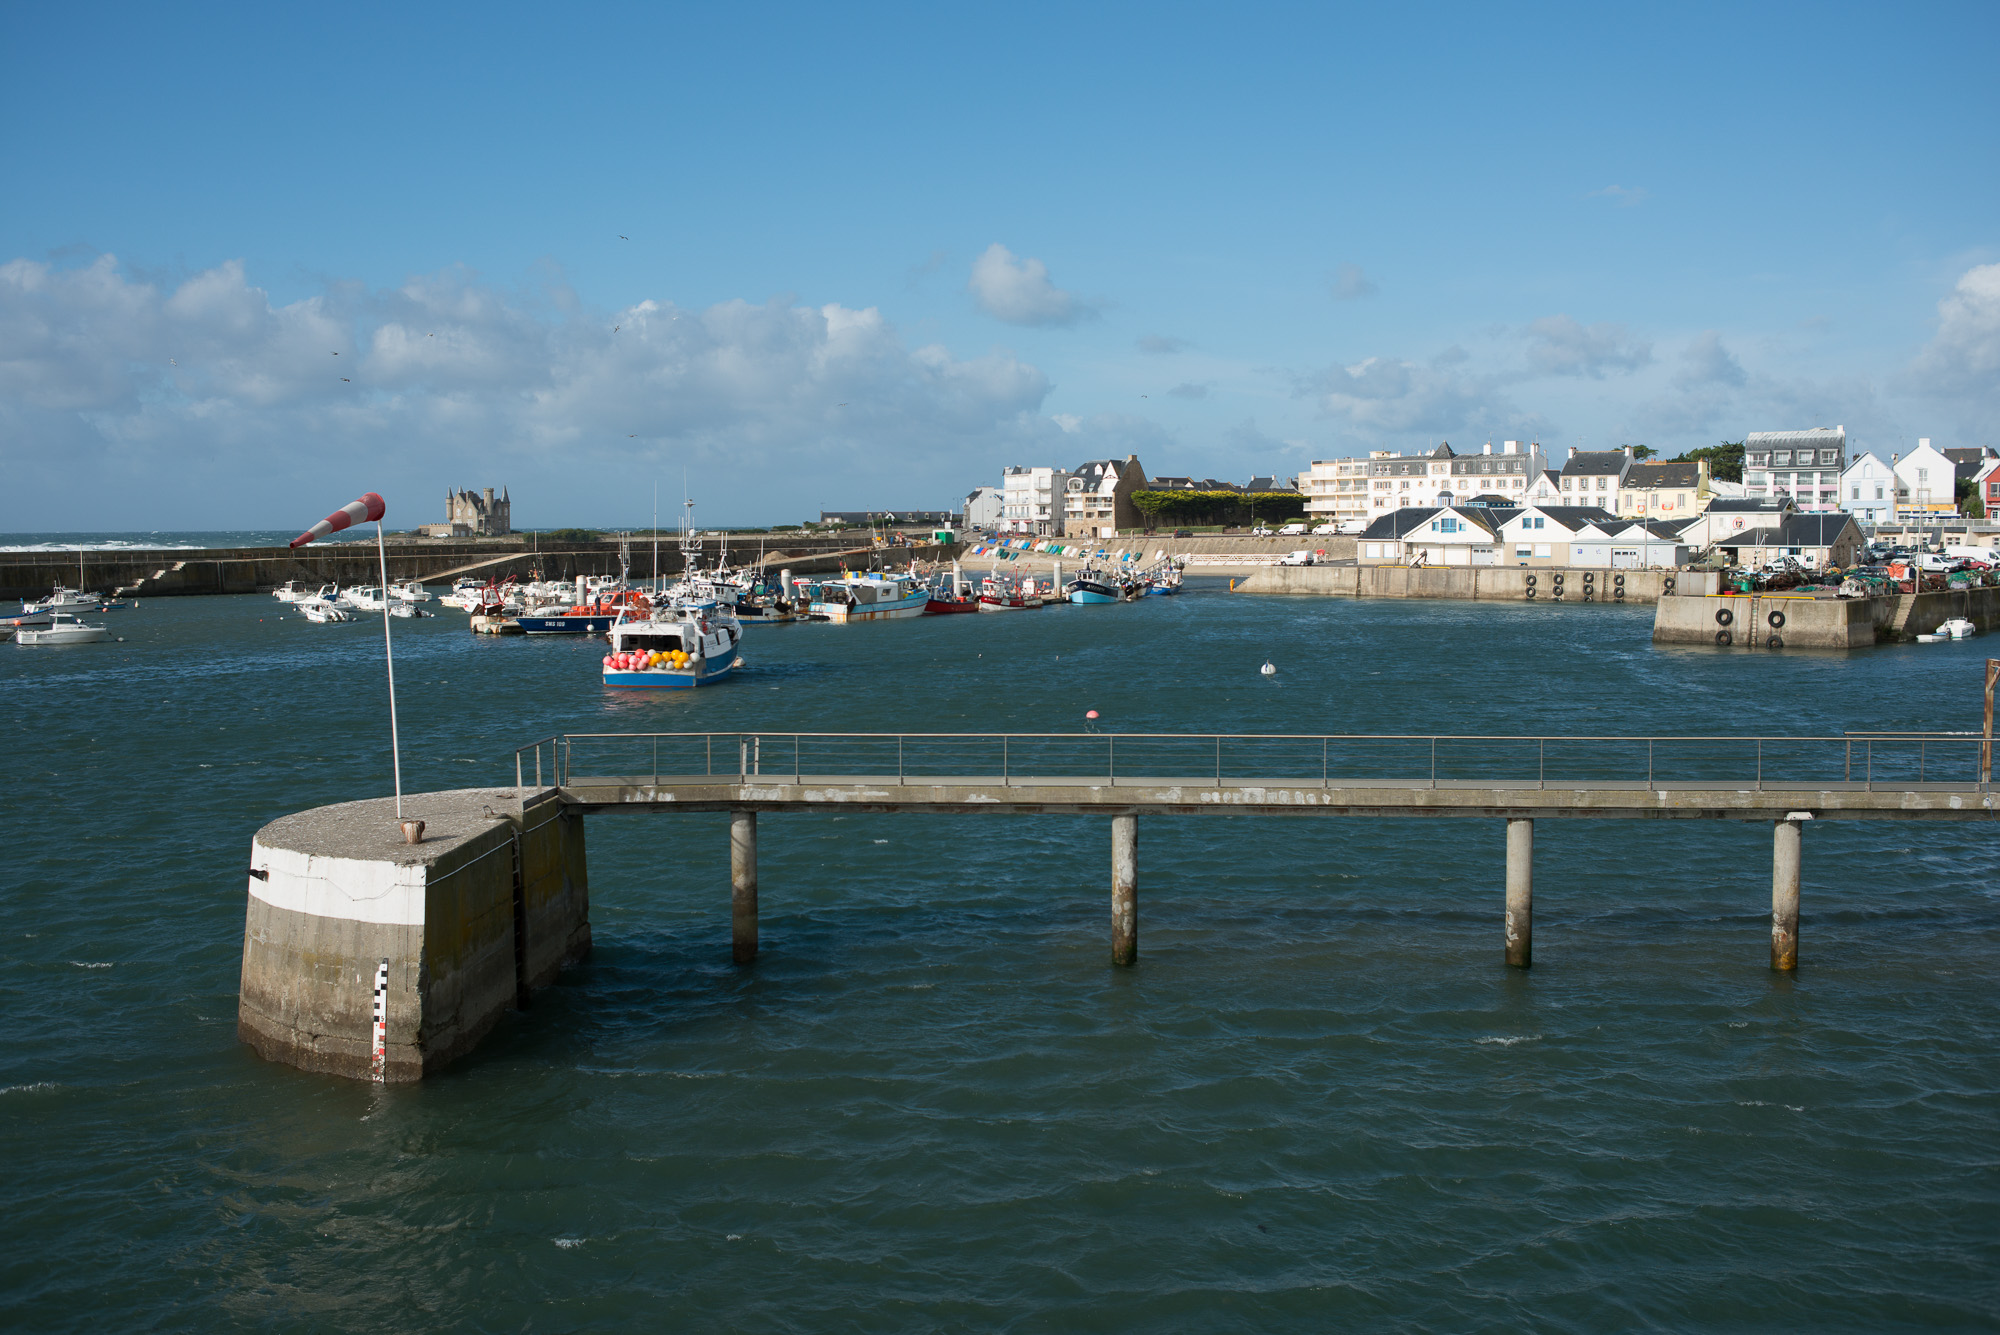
866 256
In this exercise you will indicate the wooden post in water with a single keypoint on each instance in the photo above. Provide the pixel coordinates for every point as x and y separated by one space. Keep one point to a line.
1785 895
1520 892
743 886
1124 889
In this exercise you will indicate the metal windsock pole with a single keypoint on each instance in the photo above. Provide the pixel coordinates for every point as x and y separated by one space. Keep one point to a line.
371 507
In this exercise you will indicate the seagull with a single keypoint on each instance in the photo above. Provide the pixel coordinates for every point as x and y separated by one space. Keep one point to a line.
345 381
615 328
624 238
336 354
172 362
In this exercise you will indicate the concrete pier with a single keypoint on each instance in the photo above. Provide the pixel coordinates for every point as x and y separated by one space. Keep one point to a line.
493 904
1124 889
1785 895
1520 893
743 886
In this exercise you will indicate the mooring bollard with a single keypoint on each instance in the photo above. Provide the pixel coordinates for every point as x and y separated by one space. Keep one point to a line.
743 886
1520 892
1124 889
1785 892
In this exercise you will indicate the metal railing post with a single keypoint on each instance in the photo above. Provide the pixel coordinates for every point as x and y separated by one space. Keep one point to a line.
1922 747
1218 760
538 766
656 759
1760 764
742 758
1847 765
798 767
517 767
1649 764
1434 762
1323 781
1542 763
1004 781
709 738
1111 759
899 760
1869 785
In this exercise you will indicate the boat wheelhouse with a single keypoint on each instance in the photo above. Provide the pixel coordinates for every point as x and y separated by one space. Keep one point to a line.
874 597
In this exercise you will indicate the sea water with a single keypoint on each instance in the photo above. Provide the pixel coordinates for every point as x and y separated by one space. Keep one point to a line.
1320 1101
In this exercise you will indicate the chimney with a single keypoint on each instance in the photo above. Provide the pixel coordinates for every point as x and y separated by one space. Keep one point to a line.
1628 451
1923 442
489 498
1488 449
1511 447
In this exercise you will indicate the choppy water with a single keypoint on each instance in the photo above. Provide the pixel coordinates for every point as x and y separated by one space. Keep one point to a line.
1319 1102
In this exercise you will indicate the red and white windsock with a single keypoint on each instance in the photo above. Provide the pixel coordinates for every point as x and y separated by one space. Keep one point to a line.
368 507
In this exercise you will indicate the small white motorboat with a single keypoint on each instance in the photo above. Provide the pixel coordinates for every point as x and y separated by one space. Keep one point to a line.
66 600
408 610
1958 628
366 597
62 629
322 610
290 591
410 591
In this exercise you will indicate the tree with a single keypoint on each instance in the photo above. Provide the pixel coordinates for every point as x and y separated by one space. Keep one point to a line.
1725 461
1641 453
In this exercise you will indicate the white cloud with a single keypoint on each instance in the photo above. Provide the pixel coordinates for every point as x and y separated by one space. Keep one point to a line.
1019 291
1392 395
1559 345
211 393
1350 284
1623 196
1189 389
1157 345
1963 357
1706 362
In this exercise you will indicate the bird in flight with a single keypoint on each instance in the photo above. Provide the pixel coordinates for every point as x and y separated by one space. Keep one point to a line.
615 328
336 354
172 362
624 238
345 381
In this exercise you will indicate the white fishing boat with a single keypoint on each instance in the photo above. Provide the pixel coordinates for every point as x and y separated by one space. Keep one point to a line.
1958 628
363 597
62 629
465 594
66 600
875 597
679 647
322 610
410 591
291 591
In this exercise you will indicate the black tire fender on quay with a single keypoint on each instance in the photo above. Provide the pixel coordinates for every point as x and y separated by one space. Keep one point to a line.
1723 637
1667 584
1723 616
1774 641
1531 593
1777 619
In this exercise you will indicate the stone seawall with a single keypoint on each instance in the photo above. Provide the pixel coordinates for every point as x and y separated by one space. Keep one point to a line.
493 904
163 573
1782 621
1481 583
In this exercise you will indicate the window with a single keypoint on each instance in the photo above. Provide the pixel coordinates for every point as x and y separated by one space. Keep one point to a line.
1566 484
1759 460
1878 491
1601 482
1781 458
1541 549
1524 551
1829 456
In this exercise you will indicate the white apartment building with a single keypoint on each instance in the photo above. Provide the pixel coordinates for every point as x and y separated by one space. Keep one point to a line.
1031 500
1926 482
1804 465
1385 481
1868 489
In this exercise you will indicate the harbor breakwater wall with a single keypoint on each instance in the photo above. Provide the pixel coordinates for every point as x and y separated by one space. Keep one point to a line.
1564 584
162 573
1782 621
491 905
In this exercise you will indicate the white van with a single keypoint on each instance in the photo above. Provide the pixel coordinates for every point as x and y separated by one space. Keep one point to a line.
1353 526
1983 555
1292 531
1301 557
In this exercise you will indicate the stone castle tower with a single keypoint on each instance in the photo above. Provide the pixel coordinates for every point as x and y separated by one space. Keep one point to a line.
483 515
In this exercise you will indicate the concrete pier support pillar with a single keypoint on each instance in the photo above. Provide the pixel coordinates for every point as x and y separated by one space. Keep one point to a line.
1520 892
1124 889
1785 896
743 886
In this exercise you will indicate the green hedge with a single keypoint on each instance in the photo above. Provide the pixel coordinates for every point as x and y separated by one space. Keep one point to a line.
1219 507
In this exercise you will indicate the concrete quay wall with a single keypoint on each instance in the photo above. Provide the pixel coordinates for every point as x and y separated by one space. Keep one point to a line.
466 938
1780 621
1564 584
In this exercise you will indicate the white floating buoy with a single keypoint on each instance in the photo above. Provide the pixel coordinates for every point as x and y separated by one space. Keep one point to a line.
1268 670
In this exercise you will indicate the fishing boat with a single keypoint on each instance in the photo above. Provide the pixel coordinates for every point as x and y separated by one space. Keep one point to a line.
322 611
951 594
291 591
63 628
880 596
587 618
364 597
410 591
1162 579
999 595
464 594
67 600
678 647
1092 585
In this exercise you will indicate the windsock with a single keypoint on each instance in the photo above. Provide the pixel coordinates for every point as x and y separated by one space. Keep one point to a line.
370 506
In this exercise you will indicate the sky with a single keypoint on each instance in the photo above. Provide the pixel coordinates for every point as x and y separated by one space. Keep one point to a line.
255 260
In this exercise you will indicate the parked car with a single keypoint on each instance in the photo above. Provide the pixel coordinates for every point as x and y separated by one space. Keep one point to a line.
1292 531
1260 532
1301 557
1184 533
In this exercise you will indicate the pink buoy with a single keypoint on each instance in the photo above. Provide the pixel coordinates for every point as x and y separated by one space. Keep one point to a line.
1091 714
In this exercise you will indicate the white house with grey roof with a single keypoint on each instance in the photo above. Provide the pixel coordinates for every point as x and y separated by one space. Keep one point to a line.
1868 489
1594 477
1559 535
1448 535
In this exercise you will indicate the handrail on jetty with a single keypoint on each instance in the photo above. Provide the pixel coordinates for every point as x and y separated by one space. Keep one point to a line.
1855 762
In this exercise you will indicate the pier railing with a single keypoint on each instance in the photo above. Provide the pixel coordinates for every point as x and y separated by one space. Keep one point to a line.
1860 761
